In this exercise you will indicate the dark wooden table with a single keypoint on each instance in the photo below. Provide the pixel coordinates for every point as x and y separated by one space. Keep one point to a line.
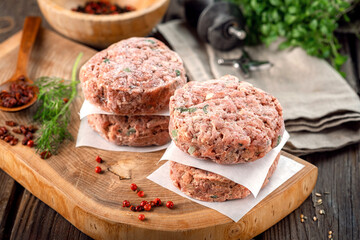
23 216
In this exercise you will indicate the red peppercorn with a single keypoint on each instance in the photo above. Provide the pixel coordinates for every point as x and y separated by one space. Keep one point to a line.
139 208
30 143
45 154
170 204
141 217
98 169
126 203
147 207
14 141
157 202
140 193
153 204
98 159
133 186
143 203
133 208
65 100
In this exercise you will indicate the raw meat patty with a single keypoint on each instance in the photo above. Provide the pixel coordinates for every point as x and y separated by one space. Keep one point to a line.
132 130
208 186
225 120
133 76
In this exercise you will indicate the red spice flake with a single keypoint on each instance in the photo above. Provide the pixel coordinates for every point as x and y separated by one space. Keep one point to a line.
102 8
45 154
14 141
29 135
24 141
23 129
133 186
157 202
32 128
147 207
170 204
65 100
30 143
140 193
19 94
139 208
3 131
98 169
126 203
143 203
141 217
11 123
8 138
98 159
16 130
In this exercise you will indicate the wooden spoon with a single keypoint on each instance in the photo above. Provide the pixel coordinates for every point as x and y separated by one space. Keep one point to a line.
30 30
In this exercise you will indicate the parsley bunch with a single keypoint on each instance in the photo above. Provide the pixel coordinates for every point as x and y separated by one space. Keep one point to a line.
309 24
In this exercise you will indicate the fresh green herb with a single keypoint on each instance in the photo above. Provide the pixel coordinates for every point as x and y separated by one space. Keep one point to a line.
174 134
106 60
278 140
205 108
240 144
178 73
127 70
53 112
191 150
307 24
214 196
150 41
183 109
131 131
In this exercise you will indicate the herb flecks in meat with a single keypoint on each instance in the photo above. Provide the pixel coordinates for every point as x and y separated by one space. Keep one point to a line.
183 109
178 73
205 108
53 112
150 41
131 131
174 134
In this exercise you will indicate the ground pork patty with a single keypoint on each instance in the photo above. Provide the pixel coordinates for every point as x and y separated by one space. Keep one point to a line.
225 120
132 130
133 76
208 186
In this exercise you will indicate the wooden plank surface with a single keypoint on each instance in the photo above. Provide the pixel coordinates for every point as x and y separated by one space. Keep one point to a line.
92 202
288 228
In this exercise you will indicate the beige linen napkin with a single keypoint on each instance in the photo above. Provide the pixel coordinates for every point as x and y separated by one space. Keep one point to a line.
321 110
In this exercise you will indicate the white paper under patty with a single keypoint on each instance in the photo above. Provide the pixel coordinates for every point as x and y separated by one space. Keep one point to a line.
234 209
89 138
251 175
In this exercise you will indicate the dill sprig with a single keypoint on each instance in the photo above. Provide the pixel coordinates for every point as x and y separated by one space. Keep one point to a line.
55 96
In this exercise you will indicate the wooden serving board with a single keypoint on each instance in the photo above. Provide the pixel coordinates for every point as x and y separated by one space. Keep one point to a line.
93 202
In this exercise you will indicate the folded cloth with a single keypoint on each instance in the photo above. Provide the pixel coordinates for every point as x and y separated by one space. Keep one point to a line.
322 110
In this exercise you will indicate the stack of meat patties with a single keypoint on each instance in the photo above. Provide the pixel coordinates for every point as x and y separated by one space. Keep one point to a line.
226 121
133 80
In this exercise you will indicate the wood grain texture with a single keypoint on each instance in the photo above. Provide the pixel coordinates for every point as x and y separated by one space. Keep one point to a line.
34 220
9 193
92 202
339 174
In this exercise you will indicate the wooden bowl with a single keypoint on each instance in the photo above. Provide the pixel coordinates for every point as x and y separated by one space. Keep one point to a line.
102 30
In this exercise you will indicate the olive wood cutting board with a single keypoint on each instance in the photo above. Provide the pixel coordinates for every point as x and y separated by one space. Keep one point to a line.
92 202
